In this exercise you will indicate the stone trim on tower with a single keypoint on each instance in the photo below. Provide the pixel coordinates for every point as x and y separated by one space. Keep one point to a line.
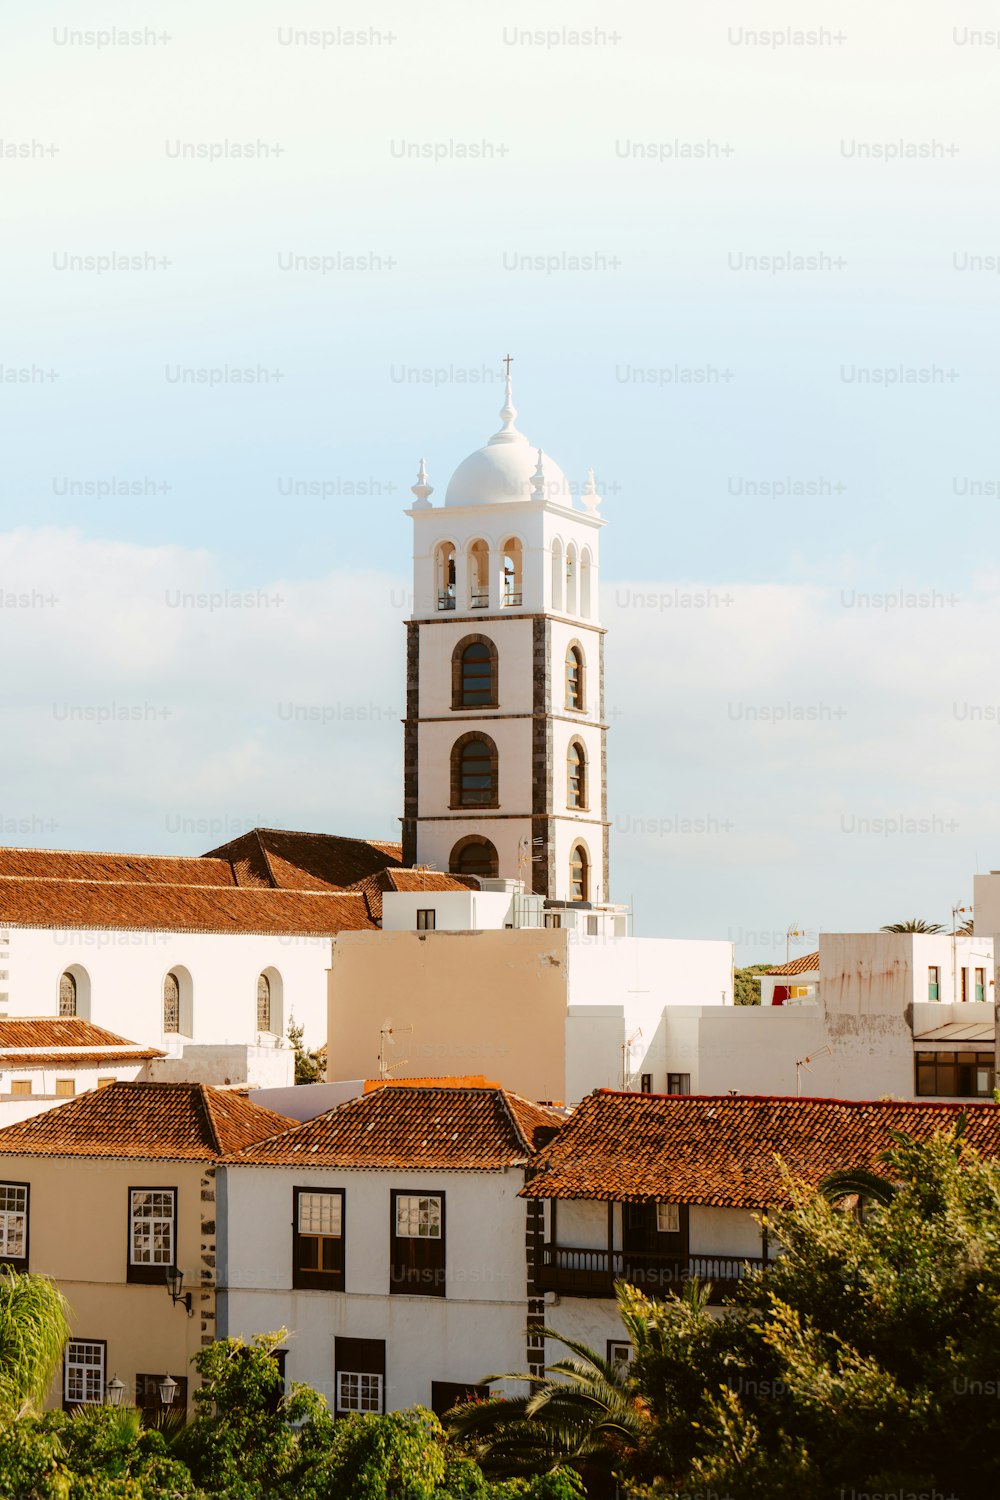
606 835
543 856
411 731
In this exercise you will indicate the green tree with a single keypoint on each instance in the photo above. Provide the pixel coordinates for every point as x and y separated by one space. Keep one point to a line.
583 1412
33 1334
310 1066
746 990
863 1359
913 924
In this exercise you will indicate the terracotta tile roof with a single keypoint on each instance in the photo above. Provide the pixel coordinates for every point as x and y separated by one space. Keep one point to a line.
284 860
470 1081
177 908
11 1060
804 965
723 1149
441 1129
57 1034
77 864
373 887
147 1122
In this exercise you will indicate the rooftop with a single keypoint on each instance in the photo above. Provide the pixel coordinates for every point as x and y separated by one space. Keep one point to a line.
21 1034
145 1122
410 1128
726 1150
802 965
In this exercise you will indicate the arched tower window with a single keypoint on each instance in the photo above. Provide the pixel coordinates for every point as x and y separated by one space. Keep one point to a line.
557 574
479 575
511 594
444 575
474 856
571 579
171 1003
576 775
579 874
67 994
474 673
575 678
585 568
474 771
263 1003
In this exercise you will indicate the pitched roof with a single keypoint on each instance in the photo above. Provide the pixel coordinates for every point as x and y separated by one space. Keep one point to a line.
145 1122
177 908
724 1149
454 1081
374 887
286 860
66 1031
78 864
78 1059
802 965
442 1129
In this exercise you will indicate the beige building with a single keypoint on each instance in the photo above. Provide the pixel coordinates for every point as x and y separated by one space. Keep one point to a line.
107 1193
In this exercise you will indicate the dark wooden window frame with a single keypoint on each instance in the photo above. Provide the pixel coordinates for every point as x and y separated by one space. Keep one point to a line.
587 868
492 797
426 919
353 1356
928 1065
458 702
311 1278
581 667
20 1262
583 771
148 1275
448 1393
463 844
412 1272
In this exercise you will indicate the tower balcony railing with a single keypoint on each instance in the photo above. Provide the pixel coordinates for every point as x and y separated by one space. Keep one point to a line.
511 599
480 599
445 600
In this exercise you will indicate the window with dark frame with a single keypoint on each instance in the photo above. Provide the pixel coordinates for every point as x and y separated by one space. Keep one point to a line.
576 775
645 1083
933 982
448 1393
417 1251
579 874
152 1234
574 679
965 985
980 991
678 1083
67 995
14 1225
474 856
318 1239
955 1075
84 1366
426 919
359 1375
478 676
148 1400
476 788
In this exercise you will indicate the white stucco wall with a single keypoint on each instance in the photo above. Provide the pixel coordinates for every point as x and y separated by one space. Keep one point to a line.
478 1328
456 911
126 970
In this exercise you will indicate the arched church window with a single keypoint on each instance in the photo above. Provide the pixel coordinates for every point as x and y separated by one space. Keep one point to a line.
67 994
171 1003
576 775
476 772
444 575
511 594
575 678
571 579
479 575
263 1003
474 856
557 574
579 874
474 673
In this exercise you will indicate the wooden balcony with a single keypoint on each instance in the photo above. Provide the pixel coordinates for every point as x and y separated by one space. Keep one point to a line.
576 1272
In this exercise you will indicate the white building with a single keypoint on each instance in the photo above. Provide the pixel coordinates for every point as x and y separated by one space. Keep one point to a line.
44 1063
388 1236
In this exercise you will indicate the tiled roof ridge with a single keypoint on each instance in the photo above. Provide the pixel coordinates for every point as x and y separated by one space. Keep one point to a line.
205 1105
503 1105
804 964
107 853
959 1104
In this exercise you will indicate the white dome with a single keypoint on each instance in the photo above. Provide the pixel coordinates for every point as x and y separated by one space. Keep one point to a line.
505 469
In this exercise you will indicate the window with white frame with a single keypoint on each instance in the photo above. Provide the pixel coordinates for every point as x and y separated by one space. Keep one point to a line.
83 1380
668 1218
620 1353
152 1233
418 1218
14 1224
358 1392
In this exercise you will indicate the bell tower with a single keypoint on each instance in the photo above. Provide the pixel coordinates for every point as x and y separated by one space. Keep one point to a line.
505 768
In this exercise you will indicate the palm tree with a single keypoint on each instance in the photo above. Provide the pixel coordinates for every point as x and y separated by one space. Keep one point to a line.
913 924
584 1412
33 1334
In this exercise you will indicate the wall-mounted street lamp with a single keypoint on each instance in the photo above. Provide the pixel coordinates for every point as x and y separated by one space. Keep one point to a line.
168 1390
114 1391
175 1284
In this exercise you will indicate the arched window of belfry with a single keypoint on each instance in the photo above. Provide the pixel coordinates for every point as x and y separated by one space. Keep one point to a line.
571 579
479 575
444 575
511 593
557 574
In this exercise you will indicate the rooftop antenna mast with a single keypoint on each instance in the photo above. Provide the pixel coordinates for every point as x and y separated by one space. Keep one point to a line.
387 1036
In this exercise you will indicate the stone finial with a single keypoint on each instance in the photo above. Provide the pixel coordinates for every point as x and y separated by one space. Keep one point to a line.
422 489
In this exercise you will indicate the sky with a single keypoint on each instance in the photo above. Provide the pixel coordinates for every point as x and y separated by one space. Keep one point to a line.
256 260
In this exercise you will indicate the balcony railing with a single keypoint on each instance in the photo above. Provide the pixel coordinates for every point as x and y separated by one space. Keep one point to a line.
480 599
591 1273
446 601
511 599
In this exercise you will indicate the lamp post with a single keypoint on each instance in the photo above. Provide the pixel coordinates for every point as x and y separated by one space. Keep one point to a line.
168 1390
114 1391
